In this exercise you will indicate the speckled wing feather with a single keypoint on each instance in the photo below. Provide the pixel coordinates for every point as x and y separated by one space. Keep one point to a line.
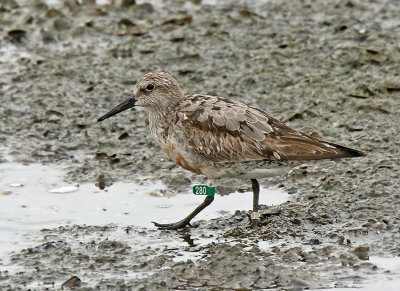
222 130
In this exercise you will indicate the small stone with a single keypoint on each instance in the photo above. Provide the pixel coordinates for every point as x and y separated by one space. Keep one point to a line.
48 37
61 24
74 281
123 135
144 8
6 192
127 3
51 13
16 36
362 31
315 241
126 22
88 2
362 252
77 31
39 5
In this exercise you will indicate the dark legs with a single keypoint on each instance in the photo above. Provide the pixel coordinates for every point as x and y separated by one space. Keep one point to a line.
186 221
256 193
255 216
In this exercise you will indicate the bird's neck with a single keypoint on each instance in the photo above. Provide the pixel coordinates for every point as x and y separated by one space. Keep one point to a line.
159 124
162 115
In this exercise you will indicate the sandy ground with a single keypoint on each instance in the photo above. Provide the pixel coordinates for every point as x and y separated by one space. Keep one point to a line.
327 68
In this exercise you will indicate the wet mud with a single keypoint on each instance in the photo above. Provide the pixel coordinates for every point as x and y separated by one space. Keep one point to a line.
326 68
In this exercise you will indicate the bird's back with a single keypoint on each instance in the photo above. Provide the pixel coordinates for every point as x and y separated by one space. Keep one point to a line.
223 130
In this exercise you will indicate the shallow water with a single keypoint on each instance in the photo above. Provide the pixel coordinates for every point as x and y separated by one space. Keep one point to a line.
390 282
35 197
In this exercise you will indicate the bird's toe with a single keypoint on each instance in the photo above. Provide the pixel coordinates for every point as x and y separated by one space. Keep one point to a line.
172 226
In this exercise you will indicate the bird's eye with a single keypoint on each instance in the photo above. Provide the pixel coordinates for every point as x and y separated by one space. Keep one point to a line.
149 87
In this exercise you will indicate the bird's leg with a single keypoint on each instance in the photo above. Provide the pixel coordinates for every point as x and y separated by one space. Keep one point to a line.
186 221
255 216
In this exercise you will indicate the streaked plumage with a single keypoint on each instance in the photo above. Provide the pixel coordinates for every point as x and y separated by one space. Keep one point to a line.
219 137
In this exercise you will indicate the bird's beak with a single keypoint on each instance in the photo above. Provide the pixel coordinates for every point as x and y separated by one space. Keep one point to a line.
128 103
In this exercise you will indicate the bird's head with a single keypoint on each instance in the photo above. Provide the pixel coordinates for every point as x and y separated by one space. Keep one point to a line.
158 91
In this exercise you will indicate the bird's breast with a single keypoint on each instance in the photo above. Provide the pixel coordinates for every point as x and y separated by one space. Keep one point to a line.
181 158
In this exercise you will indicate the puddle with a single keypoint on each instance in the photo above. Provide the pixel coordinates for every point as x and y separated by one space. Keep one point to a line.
33 197
389 280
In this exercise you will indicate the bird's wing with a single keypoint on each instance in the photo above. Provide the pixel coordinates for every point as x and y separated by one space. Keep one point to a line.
222 130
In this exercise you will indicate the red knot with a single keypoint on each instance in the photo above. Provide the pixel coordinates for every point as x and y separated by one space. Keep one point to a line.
218 137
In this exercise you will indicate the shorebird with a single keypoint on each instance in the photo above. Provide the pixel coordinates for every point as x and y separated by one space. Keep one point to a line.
218 137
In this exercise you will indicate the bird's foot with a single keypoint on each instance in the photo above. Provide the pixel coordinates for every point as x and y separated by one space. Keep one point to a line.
177 225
